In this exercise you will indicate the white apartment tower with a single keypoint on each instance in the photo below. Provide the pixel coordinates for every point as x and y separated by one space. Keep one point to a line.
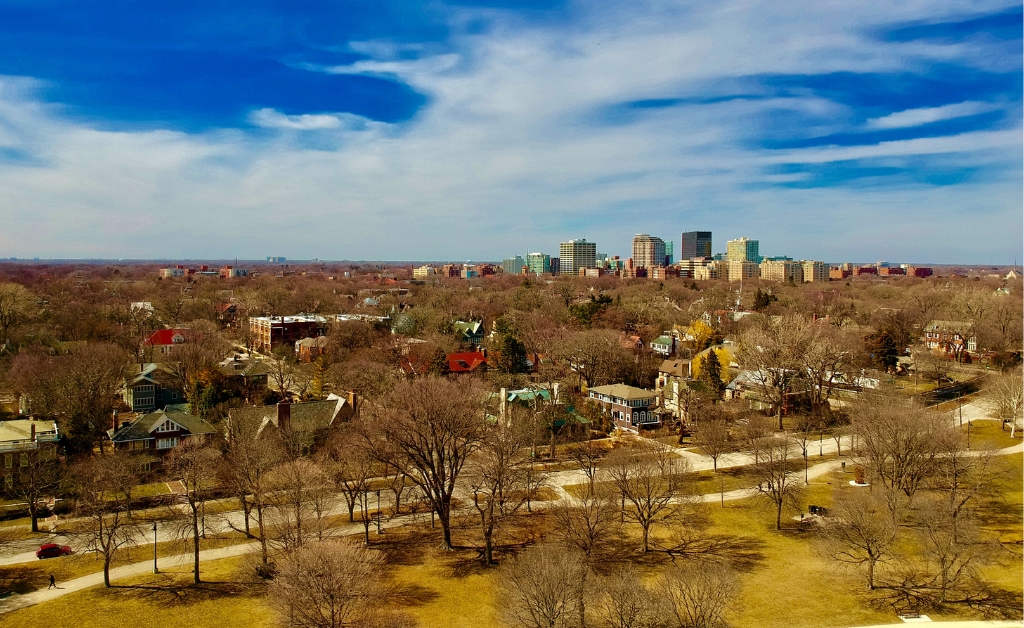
576 254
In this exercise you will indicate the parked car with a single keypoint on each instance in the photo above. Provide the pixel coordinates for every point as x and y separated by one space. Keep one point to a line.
52 550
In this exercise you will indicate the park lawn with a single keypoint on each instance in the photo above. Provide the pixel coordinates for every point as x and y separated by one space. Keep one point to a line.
27 577
164 600
447 590
986 434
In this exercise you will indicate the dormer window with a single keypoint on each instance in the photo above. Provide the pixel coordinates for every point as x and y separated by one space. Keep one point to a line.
167 426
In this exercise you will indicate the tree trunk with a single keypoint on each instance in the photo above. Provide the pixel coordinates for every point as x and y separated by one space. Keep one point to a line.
488 544
195 544
444 515
247 509
263 536
646 539
106 570
778 515
33 512
871 574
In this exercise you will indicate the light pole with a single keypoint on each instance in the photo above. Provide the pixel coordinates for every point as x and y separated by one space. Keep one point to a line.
155 570
378 512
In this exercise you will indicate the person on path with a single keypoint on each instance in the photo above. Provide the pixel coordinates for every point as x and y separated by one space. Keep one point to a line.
53 583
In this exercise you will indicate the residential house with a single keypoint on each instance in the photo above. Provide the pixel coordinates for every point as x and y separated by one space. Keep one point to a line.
948 336
156 434
467 361
150 386
672 386
163 341
309 349
665 344
631 408
471 333
22 442
305 425
246 376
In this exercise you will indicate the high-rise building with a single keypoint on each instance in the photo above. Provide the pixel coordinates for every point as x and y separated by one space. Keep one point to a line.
695 244
576 254
742 250
814 271
738 271
539 263
556 266
782 270
648 251
669 260
513 265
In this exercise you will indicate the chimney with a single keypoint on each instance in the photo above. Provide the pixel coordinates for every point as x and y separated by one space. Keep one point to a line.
32 431
554 393
352 400
503 404
114 420
284 416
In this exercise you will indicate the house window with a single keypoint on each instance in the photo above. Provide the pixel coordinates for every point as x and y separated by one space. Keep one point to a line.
8 461
24 460
168 426
166 443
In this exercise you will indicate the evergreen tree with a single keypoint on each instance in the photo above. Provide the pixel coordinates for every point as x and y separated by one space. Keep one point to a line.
711 374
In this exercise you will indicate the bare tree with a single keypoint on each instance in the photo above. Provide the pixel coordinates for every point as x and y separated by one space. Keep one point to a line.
625 601
902 443
772 351
951 540
194 464
696 595
587 457
198 355
354 465
36 475
861 530
17 306
428 427
591 354
587 523
295 485
328 584
756 432
248 462
543 588
497 474
713 439
829 356
648 477
103 492
1006 400
775 479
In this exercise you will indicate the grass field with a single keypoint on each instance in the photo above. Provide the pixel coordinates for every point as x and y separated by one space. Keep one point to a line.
785 581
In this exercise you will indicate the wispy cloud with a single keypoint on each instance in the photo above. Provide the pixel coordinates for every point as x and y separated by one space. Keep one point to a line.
523 140
927 115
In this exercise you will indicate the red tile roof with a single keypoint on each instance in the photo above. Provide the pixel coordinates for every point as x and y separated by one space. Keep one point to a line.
466 362
166 337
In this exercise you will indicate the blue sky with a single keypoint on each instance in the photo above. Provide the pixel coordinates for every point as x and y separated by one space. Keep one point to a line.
427 130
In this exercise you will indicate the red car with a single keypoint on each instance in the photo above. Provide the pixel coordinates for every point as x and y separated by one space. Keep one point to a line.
52 550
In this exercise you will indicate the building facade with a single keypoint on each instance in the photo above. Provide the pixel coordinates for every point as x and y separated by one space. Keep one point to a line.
539 263
695 244
576 254
272 331
815 272
631 408
743 250
782 270
648 251
513 265
738 271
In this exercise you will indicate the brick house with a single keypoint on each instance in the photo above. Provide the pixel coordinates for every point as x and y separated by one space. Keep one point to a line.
272 331
631 408
306 425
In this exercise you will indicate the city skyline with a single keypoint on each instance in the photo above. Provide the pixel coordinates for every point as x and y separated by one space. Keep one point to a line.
440 131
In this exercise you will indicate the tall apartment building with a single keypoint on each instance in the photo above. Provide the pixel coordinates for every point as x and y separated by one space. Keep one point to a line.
815 272
539 263
782 270
743 250
556 266
739 270
669 257
648 251
576 254
513 265
423 272
695 244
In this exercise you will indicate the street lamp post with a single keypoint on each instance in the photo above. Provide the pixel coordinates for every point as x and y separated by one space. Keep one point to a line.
155 570
378 512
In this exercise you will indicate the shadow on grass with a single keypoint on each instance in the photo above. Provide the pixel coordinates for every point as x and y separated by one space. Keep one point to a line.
181 593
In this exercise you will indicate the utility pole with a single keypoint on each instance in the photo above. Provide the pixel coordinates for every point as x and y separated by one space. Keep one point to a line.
155 570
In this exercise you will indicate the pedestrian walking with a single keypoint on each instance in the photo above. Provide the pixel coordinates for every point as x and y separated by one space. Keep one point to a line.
53 583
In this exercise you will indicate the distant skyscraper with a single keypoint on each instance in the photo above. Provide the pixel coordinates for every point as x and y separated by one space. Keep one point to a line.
513 265
743 250
539 263
695 244
576 254
648 251
669 260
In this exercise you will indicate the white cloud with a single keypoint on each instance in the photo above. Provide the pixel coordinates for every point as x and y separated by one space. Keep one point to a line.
917 117
511 153
272 119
